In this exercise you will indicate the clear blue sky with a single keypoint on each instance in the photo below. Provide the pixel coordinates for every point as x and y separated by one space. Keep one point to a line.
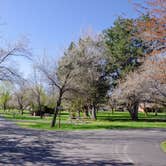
53 24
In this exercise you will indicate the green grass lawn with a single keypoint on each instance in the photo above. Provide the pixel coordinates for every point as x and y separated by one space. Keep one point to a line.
163 146
106 120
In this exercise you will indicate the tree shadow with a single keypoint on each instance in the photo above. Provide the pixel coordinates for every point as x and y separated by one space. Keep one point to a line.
128 119
20 146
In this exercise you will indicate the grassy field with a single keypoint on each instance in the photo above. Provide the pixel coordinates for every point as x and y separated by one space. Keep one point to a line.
163 146
106 120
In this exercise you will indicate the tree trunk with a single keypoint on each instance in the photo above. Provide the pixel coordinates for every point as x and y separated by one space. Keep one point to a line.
86 111
134 115
112 111
41 113
22 111
4 106
40 107
93 113
134 111
20 101
56 111
79 114
156 111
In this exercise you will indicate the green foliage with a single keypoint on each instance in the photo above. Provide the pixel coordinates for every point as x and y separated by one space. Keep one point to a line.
87 62
102 87
5 96
123 46
75 108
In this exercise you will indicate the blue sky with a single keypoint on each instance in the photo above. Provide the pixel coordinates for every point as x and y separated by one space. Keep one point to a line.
51 25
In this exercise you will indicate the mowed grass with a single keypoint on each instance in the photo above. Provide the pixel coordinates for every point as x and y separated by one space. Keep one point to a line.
163 146
105 120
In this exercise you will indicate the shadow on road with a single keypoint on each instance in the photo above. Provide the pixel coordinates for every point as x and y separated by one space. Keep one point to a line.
20 146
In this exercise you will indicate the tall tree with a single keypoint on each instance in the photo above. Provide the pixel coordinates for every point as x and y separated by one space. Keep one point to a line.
92 81
58 77
152 29
125 49
37 91
21 95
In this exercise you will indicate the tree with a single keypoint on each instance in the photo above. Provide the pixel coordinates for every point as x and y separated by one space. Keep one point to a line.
59 78
7 72
130 93
146 85
92 80
37 92
80 71
155 71
75 108
21 95
125 49
5 94
152 29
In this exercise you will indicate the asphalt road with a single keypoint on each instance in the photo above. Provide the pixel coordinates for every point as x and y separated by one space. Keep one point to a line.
20 146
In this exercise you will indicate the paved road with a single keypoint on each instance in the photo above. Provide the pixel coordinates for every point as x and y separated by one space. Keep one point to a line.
20 146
